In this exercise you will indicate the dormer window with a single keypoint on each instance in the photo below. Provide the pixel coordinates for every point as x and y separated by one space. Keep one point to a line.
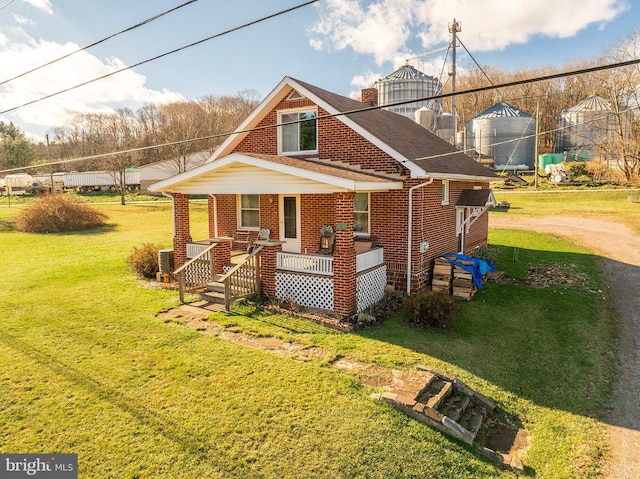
298 132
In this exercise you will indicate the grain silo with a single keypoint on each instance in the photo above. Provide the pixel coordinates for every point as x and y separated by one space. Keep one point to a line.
589 123
407 83
505 133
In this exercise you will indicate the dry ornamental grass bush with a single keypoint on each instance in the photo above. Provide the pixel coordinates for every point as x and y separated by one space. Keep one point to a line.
59 213
144 260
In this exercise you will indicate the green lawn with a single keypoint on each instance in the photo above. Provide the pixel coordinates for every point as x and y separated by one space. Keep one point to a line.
87 368
607 204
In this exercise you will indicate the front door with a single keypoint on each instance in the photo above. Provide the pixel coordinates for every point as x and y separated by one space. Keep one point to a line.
289 207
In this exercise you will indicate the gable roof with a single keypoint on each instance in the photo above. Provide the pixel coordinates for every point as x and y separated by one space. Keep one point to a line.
250 173
420 151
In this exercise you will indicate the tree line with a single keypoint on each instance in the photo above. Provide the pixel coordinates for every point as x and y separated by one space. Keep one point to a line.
618 140
100 133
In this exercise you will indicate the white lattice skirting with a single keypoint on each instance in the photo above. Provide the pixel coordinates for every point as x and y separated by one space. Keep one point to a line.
317 291
305 290
370 287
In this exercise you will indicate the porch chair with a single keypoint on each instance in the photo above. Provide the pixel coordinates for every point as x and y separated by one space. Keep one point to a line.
263 235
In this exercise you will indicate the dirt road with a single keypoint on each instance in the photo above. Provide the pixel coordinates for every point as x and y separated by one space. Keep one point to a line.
620 250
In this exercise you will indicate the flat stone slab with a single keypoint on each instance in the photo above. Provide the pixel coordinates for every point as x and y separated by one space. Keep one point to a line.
409 383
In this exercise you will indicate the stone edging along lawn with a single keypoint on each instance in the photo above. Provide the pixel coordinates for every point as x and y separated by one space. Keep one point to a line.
407 391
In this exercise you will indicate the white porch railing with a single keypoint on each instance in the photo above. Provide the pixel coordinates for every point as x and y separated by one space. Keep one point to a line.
305 263
369 259
197 247
323 265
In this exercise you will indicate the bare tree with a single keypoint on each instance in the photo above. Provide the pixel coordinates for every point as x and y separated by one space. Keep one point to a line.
621 141
121 134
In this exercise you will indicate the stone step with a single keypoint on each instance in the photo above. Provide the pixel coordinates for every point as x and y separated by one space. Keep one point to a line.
455 406
436 392
472 419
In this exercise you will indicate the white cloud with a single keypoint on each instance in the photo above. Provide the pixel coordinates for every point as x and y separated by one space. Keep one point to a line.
379 29
44 5
22 20
17 57
384 28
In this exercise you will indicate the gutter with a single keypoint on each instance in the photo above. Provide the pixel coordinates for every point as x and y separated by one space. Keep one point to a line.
410 232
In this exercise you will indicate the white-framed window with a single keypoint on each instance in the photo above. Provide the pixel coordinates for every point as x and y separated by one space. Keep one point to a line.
445 192
361 214
249 212
298 132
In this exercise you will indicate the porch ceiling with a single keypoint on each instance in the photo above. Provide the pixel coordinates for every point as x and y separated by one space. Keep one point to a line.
270 174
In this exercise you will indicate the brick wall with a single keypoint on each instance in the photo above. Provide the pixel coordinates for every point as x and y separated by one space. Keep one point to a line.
336 141
344 258
433 222
181 234
315 212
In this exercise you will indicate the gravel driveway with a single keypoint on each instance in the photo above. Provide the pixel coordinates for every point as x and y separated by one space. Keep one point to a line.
620 250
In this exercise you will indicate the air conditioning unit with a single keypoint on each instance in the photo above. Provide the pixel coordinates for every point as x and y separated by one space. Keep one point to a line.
165 261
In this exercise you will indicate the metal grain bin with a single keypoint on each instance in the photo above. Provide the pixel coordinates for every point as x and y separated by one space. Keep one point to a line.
407 83
505 133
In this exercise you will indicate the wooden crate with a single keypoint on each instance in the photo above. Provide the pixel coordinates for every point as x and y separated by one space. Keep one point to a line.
443 281
441 288
461 273
442 269
441 260
463 288
463 293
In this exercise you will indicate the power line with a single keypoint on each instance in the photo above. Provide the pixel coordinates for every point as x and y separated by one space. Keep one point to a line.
217 35
7 4
478 65
581 71
133 27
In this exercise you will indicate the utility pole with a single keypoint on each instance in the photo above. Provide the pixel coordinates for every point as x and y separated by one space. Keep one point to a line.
535 149
454 28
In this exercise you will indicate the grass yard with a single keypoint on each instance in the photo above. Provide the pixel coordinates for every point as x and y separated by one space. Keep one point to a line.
608 204
87 368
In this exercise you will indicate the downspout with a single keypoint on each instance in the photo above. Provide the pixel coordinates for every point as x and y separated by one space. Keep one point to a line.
215 215
410 232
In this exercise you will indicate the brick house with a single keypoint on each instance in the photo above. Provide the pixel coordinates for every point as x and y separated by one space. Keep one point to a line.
352 201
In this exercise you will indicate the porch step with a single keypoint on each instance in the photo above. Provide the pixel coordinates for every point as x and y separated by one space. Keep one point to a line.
214 293
440 401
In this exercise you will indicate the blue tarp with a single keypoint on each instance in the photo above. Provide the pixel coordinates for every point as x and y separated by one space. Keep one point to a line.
479 267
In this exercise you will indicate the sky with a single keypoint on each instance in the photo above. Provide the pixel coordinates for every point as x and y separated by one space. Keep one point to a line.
339 45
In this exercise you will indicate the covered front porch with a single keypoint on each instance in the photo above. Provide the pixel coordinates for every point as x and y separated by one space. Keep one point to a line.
304 279
295 202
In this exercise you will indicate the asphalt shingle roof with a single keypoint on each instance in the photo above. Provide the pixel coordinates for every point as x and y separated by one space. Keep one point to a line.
412 141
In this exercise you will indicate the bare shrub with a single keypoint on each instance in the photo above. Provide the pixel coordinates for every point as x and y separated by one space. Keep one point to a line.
144 260
431 309
59 213
597 169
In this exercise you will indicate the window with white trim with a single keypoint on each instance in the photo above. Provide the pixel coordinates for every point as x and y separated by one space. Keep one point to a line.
361 214
249 211
298 132
445 192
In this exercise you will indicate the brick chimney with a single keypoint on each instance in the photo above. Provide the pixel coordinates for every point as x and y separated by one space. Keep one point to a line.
369 96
